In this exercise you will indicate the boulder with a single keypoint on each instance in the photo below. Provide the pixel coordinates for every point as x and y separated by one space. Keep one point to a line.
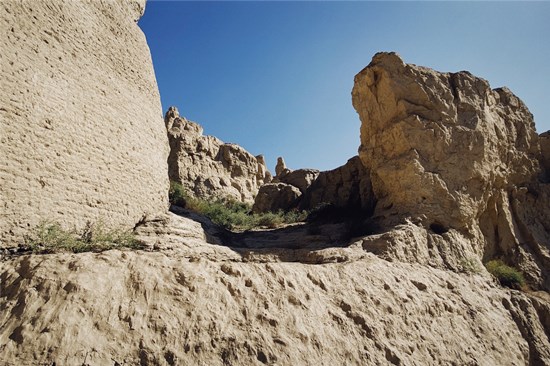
276 196
82 138
208 167
300 178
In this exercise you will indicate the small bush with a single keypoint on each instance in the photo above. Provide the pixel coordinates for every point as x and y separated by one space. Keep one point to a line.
177 194
51 238
506 275
229 213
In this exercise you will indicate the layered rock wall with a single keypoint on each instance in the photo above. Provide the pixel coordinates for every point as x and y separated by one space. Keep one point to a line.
82 134
208 167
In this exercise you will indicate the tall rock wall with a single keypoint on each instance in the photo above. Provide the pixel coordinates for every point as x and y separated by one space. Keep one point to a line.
456 163
209 168
82 137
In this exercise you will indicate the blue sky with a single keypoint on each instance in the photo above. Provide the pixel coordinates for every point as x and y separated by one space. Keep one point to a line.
276 77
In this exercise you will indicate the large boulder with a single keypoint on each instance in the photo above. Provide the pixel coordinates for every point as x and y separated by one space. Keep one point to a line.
300 178
81 128
451 160
208 167
273 197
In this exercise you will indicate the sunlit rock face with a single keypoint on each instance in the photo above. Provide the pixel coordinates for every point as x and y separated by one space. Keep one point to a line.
454 158
81 121
209 168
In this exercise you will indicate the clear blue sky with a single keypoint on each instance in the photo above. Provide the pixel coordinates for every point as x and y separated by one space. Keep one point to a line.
276 77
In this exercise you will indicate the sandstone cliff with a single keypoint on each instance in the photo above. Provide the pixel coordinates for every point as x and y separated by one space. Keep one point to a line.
457 163
209 168
80 116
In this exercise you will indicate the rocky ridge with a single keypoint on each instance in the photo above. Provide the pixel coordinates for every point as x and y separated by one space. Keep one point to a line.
209 168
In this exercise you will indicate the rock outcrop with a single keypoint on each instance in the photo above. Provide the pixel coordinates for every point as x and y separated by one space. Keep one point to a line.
347 187
545 151
300 178
273 197
453 161
81 128
209 168
206 300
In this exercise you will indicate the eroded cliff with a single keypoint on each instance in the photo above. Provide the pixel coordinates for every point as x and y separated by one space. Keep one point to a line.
209 168
454 162
82 134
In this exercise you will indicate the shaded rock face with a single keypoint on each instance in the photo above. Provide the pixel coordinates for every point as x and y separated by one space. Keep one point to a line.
347 186
81 133
209 168
452 159
276 196
545 154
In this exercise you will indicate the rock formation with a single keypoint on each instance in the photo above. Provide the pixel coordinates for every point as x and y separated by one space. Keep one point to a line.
301 178
273 197
209 168
456 163
448 166
347 186
280 167
81 132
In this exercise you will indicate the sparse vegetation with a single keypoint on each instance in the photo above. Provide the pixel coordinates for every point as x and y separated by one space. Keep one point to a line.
51 238
231 214
470 265
507 276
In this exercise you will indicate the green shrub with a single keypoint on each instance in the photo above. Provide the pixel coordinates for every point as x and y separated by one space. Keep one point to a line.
51 238
506 275
230 213
177 194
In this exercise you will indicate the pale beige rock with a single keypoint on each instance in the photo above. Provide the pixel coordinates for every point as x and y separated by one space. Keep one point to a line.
81 127
449 155
347 186
276 196
209 168
191 302
300 178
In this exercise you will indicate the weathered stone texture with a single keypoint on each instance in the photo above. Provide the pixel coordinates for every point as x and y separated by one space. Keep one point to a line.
456 163
81 122
208 167
276 196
